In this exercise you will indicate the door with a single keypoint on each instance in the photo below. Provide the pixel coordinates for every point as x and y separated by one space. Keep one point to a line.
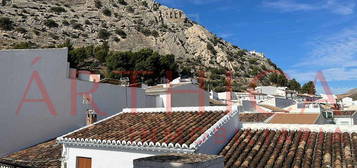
83 162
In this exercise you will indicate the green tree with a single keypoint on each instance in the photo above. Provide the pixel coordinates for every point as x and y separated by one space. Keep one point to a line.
103 34
186 72
25 45
294 85
282 81
278 79
101 52
309 88
143 60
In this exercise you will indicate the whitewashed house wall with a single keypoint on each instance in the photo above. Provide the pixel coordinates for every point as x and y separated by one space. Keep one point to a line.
34 123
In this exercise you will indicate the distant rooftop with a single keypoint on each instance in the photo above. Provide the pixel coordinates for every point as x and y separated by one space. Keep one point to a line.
290 148
43 155
343 113
177 158
254 117
281 118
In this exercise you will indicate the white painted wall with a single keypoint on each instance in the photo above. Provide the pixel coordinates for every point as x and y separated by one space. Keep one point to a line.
188 99
35 124
218 141
105 158
181 98
343 121
304 108
347 101
110 157
271 90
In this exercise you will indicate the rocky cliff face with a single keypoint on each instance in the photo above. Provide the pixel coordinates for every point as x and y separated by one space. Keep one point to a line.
126 25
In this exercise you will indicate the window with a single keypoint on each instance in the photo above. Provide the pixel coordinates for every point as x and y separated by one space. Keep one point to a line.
83 162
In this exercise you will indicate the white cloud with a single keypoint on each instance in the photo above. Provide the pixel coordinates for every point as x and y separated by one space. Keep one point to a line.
339 49
334 90
335 6
289 5
330 74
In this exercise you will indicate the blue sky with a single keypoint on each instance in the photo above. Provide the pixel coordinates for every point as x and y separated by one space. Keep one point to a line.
300 36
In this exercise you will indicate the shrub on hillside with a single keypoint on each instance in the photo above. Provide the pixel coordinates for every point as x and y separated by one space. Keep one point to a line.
25 45
211 48
51 23
57 9
103 34
98 4
77 26
122 2
107 12
6 23
130 9
65 23
121 33
21 30
87 22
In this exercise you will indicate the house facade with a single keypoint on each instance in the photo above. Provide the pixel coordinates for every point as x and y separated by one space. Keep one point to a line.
178 95
39 94
118 140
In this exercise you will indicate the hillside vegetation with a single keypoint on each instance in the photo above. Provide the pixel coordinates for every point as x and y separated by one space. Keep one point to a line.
125 27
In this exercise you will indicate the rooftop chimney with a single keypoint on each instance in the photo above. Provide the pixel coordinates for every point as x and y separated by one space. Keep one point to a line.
91 117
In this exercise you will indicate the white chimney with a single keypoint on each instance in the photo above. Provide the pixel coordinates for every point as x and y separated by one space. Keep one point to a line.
91 117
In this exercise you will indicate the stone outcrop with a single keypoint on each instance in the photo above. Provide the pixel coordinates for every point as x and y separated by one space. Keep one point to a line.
132 25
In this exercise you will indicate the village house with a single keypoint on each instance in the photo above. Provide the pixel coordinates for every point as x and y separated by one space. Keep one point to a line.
344 117
41 92
181 94
118 140
271 90
125 138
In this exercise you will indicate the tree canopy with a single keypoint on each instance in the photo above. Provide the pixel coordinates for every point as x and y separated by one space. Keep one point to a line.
144 60
294 85
309 88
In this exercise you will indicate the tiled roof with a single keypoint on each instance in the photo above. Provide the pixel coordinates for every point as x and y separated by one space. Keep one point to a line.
44 155
343 113
254 117
178 158
283 148
272 108
156 127
281 118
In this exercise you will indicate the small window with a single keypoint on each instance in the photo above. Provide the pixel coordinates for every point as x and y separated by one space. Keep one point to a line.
83 162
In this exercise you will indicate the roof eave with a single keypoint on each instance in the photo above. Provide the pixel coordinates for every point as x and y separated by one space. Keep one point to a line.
146 146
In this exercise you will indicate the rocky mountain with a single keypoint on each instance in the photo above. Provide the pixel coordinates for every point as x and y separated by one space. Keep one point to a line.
351 93
128 25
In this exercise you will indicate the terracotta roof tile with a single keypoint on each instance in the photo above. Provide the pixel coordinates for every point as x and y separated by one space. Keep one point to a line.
254 117
44 155
272 108
343 113
280 118
283 148
162 127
